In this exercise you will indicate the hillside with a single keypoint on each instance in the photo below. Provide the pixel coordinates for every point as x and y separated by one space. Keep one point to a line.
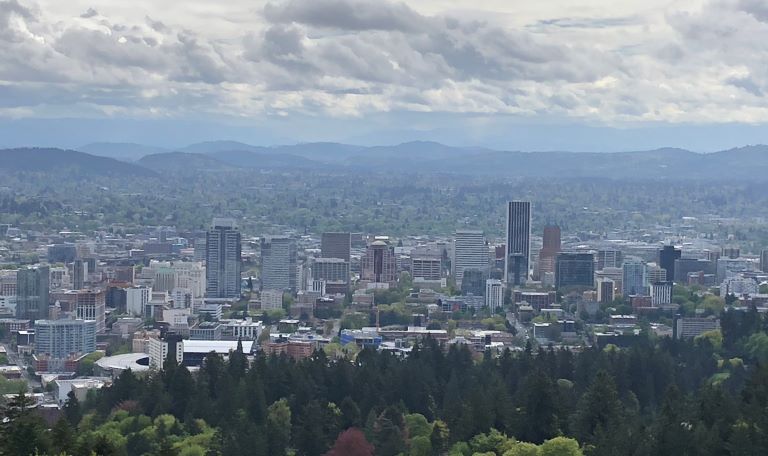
750 162
182 161
67 161
120 151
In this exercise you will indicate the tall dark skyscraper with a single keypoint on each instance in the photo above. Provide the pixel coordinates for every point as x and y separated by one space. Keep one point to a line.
223 263
336 245
79 270
667 256
32 287
518 253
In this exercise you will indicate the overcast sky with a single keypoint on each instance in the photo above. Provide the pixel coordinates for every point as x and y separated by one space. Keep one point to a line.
521 74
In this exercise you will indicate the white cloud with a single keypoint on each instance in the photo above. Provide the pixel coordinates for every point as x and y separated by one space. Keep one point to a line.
598 61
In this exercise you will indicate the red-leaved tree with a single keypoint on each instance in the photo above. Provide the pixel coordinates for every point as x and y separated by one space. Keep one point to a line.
351 442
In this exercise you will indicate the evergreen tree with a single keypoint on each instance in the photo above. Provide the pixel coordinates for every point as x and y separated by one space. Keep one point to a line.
71 409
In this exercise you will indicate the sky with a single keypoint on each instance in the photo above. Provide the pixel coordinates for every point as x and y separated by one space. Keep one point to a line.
515 74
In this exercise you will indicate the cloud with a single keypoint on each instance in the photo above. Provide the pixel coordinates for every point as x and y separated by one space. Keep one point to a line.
347 14
645 61
89 13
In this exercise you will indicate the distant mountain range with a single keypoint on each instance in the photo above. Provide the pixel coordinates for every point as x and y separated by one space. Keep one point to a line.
67 161
749 162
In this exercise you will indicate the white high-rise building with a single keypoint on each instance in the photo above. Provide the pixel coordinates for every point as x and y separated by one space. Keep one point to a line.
634 279
223 264
136 299
271 299
661 293
190 275
278 263
494 294
469 252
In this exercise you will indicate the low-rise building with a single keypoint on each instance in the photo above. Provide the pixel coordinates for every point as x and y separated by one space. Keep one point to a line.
687 327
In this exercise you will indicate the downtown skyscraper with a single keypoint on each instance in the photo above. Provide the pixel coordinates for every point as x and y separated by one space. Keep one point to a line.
223 262
518 246
279 263
470 252
32 292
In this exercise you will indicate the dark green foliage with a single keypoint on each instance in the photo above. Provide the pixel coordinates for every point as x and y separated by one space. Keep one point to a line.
664 398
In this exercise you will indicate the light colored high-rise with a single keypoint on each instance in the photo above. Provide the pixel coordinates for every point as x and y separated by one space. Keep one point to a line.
661 293
426 268
278 263
634 279
63 338
469 252
518 254
494 294
90 306
223 262
609 258
136 299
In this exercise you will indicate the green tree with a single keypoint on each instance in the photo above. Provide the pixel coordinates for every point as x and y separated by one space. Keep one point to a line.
279 427
561 446
71 409
523 449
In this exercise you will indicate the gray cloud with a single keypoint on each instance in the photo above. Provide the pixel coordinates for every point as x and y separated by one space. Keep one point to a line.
347 14
89 13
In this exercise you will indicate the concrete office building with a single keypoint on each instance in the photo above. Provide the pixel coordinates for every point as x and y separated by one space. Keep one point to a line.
336 245
136 300
161 349
271 299
609 258
661 293
32 293
574 269
378 264
606 291
469 252
223 260
685 266
654 273
634 279
90 306
278 264
690 327
426 268
473 282
333 272
518 243
330 269
61 339
494 294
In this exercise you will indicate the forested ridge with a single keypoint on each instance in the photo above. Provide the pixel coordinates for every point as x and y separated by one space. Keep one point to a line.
707 396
